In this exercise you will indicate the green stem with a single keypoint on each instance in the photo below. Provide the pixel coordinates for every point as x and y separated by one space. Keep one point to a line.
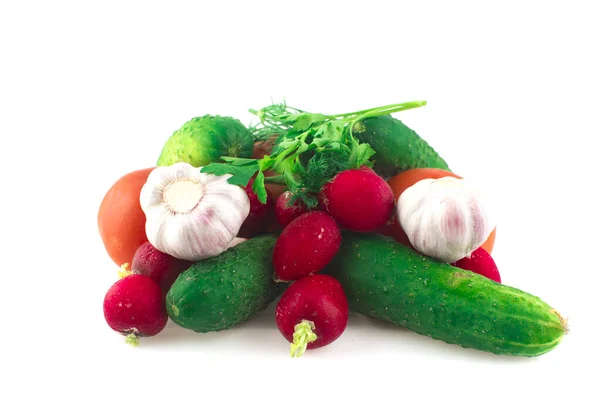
284 154
303 335
390 110
386 111
132 339
290 151
393 108
276 180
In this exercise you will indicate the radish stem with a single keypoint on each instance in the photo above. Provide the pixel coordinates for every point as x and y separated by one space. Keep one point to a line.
124 271
303 335
132 339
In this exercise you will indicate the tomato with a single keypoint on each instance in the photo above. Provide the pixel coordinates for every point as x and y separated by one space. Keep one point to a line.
121 221
399 183
488 245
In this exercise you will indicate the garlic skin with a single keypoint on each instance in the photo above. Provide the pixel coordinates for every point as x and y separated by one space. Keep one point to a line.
191 215
236 241
444 218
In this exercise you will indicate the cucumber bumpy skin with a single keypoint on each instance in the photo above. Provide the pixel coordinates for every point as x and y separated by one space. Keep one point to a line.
206 139
397 147
388 281
223 291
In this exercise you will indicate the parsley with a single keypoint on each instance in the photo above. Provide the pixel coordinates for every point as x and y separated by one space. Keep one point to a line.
241 169
310 150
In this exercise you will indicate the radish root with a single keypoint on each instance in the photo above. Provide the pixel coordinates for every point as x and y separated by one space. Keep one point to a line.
303 335
132 339
124 271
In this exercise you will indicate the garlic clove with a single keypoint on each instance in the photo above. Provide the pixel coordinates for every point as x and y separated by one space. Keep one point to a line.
444 218
191 215
236 241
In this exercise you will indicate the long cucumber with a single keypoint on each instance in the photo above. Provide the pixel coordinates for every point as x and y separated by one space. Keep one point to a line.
386 280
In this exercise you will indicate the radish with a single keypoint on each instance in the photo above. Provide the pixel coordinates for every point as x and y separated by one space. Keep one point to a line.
312 313
161 267
480 262
135 306
260 215
286 212
358 199
306 246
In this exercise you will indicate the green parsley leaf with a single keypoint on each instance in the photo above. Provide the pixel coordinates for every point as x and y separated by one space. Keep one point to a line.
329 132
360 154
266 163
241 173
258 187
304 121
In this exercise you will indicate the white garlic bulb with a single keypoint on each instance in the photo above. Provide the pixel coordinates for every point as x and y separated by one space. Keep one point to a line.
191 215
444 218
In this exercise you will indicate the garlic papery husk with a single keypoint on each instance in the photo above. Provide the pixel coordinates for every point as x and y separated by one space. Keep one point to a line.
191 215
444 218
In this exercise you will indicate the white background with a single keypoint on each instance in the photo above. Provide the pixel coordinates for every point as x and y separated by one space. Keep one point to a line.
91 90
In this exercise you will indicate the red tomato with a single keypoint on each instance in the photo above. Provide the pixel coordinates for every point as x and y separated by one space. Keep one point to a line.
121 221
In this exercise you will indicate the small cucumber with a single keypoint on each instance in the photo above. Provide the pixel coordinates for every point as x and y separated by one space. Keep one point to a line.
397 147
386 280
206 139
221 292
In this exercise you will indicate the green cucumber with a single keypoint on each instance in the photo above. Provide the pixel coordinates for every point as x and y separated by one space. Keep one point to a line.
397 147
223 291
206 139
388 281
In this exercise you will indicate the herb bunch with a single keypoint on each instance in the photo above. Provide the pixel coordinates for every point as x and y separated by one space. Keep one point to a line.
310 149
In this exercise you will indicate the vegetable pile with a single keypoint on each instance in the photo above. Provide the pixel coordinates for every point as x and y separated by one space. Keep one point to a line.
321 214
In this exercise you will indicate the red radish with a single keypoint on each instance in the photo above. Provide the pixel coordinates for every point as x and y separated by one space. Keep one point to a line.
286 212
392 228
306 246
259 218
312 313
358 199
365 168
480 262
135 306
161 267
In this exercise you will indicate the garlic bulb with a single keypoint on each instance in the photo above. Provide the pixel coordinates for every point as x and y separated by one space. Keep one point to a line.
191 215
444 218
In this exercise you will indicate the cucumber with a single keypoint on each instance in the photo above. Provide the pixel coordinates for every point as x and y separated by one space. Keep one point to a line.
223 291
206 139
388 281
397 147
